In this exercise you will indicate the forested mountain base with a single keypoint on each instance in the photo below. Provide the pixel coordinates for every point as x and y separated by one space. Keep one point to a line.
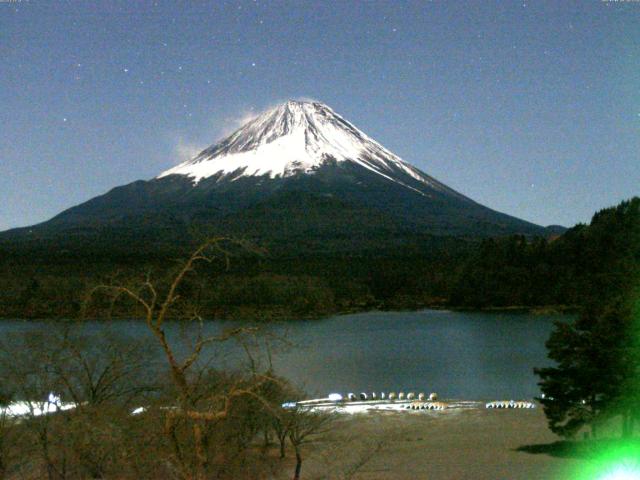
255 287
51 280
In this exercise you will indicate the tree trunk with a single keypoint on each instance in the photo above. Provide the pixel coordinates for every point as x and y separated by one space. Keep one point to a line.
51 469
201 457
296 475
283 444
2 457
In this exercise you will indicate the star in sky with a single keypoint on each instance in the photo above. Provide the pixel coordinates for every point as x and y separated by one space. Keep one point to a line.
508 79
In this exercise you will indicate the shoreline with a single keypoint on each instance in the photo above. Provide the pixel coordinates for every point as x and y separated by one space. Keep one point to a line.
287 317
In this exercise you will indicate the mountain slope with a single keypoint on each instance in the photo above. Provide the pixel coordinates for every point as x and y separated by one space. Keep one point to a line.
298 171
295 138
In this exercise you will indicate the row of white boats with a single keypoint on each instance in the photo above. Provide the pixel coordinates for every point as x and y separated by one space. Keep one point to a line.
364 402
510 404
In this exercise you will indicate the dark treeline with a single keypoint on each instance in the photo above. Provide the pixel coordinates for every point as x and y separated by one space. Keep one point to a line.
53 282
516 271
596 378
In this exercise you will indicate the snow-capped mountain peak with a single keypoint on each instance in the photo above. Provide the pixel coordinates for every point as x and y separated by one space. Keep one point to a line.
299 177
296 137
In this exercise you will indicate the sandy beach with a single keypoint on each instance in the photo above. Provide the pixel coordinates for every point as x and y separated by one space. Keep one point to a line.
453 444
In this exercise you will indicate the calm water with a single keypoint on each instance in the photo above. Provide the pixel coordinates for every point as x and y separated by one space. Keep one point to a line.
457 354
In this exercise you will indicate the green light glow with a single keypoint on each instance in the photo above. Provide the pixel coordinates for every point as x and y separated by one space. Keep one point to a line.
622 473
619 461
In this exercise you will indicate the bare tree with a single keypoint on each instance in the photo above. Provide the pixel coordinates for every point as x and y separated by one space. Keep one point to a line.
25 364
103 369
7 432
201 423
63 380
303 427
195 409
281 429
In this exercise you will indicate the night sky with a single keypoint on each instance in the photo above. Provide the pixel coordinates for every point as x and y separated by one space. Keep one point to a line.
531 108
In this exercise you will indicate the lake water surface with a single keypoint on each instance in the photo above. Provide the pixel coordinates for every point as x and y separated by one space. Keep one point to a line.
456 354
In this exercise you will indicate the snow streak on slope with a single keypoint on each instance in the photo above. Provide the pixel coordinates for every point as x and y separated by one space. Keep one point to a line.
296 138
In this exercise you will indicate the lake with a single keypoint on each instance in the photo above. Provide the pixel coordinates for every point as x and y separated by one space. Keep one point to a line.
468 355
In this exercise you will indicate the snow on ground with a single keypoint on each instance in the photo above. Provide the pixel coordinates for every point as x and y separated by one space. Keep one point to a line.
36 408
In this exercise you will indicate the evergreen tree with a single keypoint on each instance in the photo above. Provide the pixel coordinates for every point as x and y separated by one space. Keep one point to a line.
597 371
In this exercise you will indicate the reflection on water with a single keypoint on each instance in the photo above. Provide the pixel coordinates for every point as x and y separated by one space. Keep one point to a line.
457 354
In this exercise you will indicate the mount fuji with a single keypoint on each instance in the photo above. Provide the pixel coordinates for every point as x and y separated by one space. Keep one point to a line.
299 138
299 176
